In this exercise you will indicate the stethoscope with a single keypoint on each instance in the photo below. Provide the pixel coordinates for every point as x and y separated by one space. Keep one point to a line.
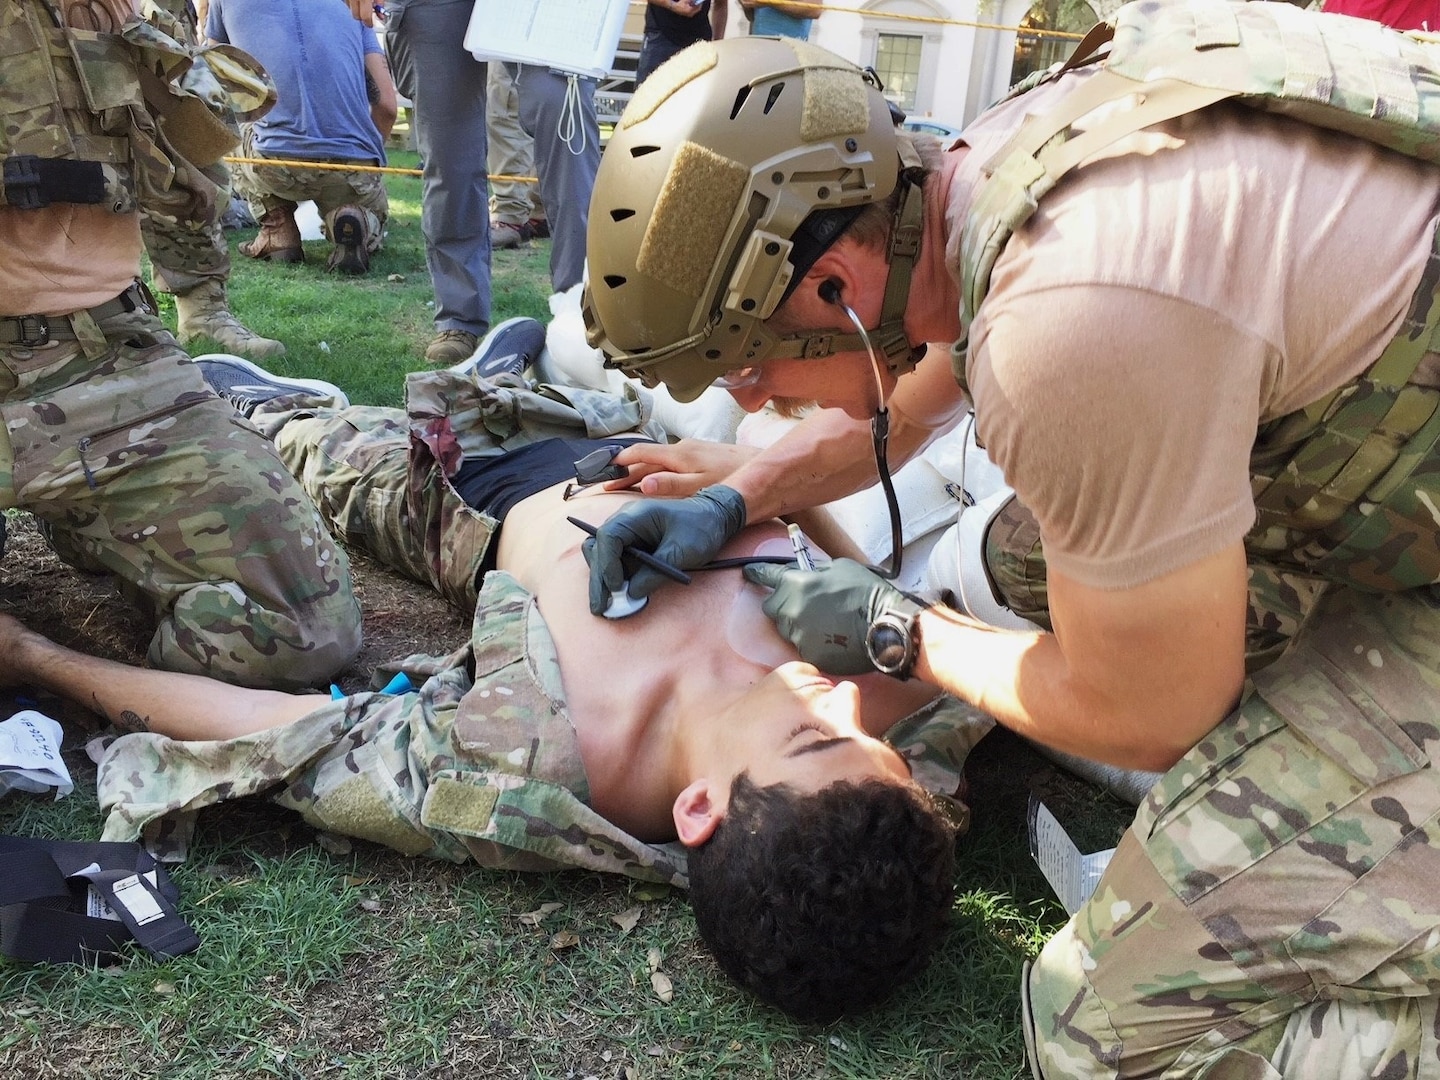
623 604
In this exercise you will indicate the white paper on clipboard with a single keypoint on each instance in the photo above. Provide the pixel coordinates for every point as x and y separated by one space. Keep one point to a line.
578 36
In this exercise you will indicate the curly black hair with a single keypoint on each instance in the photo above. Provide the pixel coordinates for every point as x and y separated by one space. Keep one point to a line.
822 904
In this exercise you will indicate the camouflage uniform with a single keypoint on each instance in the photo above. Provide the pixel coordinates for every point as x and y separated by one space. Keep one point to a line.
114 439
191 258
381 476
484 767
186 253
1274 909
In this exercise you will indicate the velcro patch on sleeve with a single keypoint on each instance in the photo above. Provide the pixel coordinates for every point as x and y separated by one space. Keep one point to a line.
355 808
458 807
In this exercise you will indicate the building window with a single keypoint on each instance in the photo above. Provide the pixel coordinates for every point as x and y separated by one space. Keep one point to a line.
1035 50
897 62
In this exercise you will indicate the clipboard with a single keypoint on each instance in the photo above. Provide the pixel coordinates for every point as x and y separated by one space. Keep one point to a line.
576 36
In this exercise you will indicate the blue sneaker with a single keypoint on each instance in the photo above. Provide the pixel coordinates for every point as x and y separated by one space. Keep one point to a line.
247 386
507 349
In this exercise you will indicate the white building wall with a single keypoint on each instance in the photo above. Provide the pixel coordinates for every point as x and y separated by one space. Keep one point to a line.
963 68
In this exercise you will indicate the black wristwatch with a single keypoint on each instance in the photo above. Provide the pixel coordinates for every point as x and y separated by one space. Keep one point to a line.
892 642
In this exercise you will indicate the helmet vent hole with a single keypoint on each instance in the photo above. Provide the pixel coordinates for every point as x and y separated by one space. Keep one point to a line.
641 151
712 354
621 214
614 280
747 305
775 92
740 99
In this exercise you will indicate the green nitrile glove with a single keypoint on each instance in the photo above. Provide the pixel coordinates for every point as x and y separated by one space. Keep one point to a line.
685 533
826 613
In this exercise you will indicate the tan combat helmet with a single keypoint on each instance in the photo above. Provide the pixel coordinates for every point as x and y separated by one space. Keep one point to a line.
706 189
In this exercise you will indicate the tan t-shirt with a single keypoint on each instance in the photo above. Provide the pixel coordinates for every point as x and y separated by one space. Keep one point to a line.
1162 303
65 258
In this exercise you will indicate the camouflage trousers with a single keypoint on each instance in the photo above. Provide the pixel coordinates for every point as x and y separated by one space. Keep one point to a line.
185 254
380 477
115 442
270 187
1274 909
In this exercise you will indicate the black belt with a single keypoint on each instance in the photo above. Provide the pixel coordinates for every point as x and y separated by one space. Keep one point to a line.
32 331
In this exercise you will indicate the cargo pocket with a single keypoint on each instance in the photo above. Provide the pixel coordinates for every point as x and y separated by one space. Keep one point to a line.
1284 777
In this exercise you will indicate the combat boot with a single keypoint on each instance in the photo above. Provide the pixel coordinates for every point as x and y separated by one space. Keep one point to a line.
205 312
279 238
351 232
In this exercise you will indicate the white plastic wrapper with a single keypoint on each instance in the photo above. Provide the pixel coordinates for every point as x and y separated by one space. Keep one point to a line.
30 755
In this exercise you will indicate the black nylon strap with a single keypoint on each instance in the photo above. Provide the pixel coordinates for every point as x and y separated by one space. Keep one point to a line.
44 897
33 182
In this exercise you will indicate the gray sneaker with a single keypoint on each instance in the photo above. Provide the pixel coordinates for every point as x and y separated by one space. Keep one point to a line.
247 386
507 349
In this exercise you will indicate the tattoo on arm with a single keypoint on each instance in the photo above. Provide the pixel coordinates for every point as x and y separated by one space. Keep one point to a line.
130 721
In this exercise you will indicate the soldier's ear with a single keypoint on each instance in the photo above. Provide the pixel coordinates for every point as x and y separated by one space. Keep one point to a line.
697 811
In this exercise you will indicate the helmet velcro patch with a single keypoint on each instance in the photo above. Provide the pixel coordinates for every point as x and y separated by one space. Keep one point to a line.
837 102
691 218
689 63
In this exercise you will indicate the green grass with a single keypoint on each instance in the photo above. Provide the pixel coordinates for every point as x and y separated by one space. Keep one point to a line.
373 328
357 962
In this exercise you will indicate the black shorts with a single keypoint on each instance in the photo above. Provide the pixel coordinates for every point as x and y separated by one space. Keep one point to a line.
493 485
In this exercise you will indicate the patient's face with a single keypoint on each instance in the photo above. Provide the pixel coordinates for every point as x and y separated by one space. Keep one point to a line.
801 728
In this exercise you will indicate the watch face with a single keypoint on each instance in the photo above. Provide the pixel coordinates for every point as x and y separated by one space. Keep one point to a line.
888 645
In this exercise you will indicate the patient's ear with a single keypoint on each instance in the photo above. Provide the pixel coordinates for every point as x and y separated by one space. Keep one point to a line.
697 811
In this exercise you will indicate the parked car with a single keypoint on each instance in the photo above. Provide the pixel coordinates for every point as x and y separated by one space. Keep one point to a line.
925 126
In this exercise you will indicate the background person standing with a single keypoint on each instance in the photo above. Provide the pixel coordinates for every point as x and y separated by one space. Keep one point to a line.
670 25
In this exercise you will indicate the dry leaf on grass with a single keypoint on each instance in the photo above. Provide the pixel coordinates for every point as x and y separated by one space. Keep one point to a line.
663 987
373 906
536 917
565 939
654 958
626 920
164 988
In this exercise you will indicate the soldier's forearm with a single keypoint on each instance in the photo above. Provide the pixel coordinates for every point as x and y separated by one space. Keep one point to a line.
142 699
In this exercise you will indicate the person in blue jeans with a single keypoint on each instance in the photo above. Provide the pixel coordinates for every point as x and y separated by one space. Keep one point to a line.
446 86
670 25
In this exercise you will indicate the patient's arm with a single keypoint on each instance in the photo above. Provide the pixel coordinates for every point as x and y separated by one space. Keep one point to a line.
143 699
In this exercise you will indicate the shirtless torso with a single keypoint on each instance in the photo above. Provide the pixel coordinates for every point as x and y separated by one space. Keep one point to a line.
632 685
